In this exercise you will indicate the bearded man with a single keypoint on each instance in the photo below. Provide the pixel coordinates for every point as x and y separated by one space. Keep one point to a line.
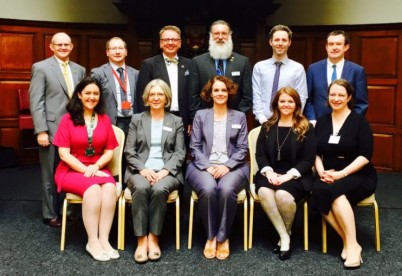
221 60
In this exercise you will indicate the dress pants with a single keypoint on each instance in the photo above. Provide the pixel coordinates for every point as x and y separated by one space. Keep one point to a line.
217 200
150 203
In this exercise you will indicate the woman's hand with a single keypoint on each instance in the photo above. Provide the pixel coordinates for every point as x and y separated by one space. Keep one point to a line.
284 178
272 177
150 175
91 170
327 176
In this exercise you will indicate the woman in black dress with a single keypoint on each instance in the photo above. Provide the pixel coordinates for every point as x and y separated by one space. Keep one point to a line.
286 148
346 176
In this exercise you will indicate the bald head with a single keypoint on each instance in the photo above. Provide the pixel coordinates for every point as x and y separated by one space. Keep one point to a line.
61 46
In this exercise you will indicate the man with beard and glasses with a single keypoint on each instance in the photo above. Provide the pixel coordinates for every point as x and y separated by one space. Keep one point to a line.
221 60
274 73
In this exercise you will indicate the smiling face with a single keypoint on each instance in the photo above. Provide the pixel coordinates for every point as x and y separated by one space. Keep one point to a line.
89 97
280 43
170 43
117 51
338 97
336 48
219 93
61 46
286 105
156 98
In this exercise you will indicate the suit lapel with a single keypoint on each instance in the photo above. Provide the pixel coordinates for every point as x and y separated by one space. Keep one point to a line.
211 65
110 77
146 124
161 65
181 67
324 69
132 81
59 74
346 70
209 130
229 66
229 123
168 123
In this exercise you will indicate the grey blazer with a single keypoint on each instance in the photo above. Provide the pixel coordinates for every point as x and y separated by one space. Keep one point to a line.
202 137
139 140
48 93
104 75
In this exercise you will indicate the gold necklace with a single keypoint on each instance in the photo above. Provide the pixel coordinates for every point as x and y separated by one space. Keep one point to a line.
279 147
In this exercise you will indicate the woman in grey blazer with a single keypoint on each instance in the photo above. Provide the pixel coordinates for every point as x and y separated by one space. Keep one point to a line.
155 151
218 170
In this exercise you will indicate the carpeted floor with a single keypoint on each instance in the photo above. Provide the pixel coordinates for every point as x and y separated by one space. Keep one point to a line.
27 246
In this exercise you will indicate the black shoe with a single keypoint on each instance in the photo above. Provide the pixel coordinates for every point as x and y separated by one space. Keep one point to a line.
284 255
55 223
277 249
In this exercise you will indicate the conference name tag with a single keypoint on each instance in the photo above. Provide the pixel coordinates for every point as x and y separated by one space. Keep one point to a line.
167 128
334 139
236 73
236 126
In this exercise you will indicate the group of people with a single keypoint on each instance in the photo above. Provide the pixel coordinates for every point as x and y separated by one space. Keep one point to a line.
174 104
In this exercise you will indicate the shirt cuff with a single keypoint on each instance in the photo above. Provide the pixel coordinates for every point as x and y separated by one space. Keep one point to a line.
262 119
293 172
266 169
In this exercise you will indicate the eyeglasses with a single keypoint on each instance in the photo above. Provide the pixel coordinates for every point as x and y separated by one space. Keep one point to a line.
170 39
217 34
59 45
116 48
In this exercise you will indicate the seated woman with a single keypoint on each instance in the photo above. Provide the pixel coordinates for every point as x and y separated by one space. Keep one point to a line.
286 148
155 151
346 176
86 141
218 171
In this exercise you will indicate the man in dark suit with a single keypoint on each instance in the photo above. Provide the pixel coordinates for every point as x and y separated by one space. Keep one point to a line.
118 84
171 68
323 72
52 84
221 60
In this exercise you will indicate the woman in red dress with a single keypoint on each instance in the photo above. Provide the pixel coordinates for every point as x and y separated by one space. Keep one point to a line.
85 141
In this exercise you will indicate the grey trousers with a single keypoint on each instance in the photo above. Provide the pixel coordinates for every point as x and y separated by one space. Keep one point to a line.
217 200
149 203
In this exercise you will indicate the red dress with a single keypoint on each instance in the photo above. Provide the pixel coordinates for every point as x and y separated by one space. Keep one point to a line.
76 138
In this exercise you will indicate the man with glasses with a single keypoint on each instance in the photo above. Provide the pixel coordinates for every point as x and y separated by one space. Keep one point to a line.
171 68
118 84
52 84
221 60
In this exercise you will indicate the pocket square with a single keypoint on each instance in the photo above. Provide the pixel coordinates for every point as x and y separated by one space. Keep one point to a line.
187 73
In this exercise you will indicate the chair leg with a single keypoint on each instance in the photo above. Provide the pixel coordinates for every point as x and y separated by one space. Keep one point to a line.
245 223
178 223
305 207
324 236
119 227
190 223
63 225
250 233
377 227
123 222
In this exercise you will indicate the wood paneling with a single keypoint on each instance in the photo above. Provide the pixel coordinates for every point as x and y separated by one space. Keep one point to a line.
16 51
380 97
384 151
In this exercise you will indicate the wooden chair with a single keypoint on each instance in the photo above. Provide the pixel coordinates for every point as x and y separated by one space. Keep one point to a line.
126 198
241 199
115 167
252 143
368 202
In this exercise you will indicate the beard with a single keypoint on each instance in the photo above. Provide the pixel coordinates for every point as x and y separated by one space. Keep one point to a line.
220 50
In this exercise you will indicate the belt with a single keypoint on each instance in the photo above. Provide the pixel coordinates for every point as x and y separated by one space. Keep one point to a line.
124 118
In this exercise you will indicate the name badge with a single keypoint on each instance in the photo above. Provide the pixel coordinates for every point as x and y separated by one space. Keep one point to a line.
236 126
167 128
334 139
235 73
125 105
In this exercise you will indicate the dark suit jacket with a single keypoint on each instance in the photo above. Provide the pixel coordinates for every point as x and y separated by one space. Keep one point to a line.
237 69
105 76
155 68
317 84
303 152
49 95
202 135
138 144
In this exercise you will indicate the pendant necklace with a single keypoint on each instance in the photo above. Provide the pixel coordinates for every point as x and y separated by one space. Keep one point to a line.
279 147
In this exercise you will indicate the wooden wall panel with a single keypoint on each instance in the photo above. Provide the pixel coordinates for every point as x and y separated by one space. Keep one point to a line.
384 151
97 51
145 48
16 51
297 50
380 97
9 98
9 137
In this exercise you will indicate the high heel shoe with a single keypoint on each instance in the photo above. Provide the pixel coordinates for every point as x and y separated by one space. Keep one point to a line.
354 264
343 255
113 254
277 249
103 256
284 255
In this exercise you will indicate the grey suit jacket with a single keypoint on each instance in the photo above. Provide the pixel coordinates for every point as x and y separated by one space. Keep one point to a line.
155 68
104 75
138 144
237 69
48 93
202 135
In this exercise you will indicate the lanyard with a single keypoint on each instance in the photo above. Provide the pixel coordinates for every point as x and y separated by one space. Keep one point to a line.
90 130
123 85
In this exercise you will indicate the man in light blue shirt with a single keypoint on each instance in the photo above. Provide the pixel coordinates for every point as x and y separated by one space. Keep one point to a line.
279 71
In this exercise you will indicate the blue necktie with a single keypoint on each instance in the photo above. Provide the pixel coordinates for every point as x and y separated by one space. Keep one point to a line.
276 79
219 70
333 77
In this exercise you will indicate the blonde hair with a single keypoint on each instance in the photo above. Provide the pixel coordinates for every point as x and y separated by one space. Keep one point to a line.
165 88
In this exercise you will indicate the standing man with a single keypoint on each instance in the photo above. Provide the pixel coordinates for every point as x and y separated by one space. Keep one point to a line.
52 84
171 68
279 71
221 60
322 73
118 84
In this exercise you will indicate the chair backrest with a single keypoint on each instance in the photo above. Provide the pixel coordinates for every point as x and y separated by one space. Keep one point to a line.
23 99
252 145
115 166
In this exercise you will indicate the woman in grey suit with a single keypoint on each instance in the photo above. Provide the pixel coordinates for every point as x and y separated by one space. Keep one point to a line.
218 170
155 151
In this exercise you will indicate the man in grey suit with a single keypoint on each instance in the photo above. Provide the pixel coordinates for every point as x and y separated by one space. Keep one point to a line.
171 68
52 84
118 84
221 60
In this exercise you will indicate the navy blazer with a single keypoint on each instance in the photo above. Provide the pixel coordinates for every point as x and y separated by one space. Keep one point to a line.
202 138
317 85
303 152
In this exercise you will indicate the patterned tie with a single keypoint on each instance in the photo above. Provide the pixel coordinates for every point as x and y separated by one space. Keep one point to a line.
220 71
123 95
172 60
333 77
276 79
67 79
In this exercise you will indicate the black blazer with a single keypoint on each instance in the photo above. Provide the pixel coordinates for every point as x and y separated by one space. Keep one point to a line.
303 152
